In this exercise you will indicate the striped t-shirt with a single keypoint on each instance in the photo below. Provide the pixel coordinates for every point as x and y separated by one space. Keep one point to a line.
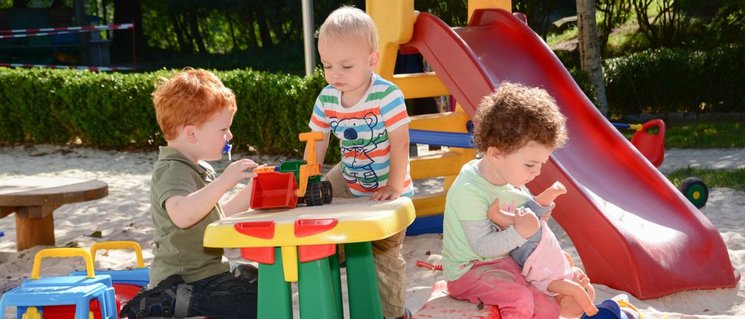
362 130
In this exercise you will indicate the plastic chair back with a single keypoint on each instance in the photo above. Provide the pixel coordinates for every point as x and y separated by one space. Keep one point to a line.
651 144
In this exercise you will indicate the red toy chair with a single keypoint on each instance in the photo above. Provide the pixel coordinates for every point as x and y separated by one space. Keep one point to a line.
650 143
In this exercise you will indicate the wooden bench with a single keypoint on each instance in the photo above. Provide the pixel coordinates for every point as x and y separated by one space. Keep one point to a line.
34 199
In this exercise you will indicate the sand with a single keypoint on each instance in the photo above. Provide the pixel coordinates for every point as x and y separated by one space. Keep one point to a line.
124 215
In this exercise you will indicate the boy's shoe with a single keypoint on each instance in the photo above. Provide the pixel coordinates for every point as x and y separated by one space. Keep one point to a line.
157 302
247 272
407 314
626 307
608 309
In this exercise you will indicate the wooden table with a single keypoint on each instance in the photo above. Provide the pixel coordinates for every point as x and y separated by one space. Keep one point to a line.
34 199
299 245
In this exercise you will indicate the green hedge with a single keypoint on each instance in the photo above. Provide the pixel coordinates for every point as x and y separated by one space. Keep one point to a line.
114 110
677 80
27 101
272 109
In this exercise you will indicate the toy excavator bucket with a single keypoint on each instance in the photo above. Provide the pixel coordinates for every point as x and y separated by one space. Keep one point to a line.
651 142
281 187
274 190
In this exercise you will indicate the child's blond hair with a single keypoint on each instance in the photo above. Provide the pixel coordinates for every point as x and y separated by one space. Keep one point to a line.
190 97
347 22
514 115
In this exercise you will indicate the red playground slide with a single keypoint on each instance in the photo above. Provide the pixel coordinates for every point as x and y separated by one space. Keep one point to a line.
632 228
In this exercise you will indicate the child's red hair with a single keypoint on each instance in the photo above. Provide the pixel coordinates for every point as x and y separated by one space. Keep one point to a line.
190 97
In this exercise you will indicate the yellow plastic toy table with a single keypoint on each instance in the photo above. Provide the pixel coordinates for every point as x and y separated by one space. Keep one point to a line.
299 245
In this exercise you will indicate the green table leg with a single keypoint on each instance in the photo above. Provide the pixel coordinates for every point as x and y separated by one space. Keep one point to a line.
336 282
362 282
275 296
317 299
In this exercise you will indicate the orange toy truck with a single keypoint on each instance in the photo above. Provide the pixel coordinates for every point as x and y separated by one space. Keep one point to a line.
293 181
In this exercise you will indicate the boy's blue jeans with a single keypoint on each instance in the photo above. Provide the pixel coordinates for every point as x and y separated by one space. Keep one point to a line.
223 296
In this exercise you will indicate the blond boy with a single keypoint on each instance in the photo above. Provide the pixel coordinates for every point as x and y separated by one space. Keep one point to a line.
368 115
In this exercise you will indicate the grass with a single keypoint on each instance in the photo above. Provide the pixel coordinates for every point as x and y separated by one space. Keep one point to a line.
556 38
714 134
703 134
731 178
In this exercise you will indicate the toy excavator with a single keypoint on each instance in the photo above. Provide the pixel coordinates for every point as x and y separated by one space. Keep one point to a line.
292 181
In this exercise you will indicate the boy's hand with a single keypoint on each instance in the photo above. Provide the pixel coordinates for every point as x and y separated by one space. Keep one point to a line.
526 223
239 170
386 192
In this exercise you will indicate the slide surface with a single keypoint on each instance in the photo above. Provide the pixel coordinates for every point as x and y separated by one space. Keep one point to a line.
633 229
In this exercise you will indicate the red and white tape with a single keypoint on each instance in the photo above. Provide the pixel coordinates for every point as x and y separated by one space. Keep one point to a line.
36 32
74 67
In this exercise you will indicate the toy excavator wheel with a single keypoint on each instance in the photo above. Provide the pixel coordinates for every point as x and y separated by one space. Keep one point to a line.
326 192
313 196
695 190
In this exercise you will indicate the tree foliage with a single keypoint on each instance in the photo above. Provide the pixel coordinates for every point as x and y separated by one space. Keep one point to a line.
615 13
727 24
665 26
453 13
538 12
225 26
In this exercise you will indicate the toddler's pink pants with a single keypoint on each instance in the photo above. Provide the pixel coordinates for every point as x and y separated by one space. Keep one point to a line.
500 282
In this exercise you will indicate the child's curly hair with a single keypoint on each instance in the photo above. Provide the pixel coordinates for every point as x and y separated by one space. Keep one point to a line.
514 115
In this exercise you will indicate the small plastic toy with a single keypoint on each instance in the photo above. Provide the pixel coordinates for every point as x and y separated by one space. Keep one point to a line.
695 190
91 295
292 181
608 309
422 263
617 307
649 139
226 150
126 282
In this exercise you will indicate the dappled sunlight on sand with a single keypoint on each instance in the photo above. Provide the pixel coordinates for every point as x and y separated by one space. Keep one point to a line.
124 215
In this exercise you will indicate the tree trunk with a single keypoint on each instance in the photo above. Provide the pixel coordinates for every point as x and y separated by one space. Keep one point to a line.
250 34
183 44
232 32
127 11
193 17
589 51
264 33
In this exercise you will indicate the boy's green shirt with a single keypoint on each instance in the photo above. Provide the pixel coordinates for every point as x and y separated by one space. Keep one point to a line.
180 251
